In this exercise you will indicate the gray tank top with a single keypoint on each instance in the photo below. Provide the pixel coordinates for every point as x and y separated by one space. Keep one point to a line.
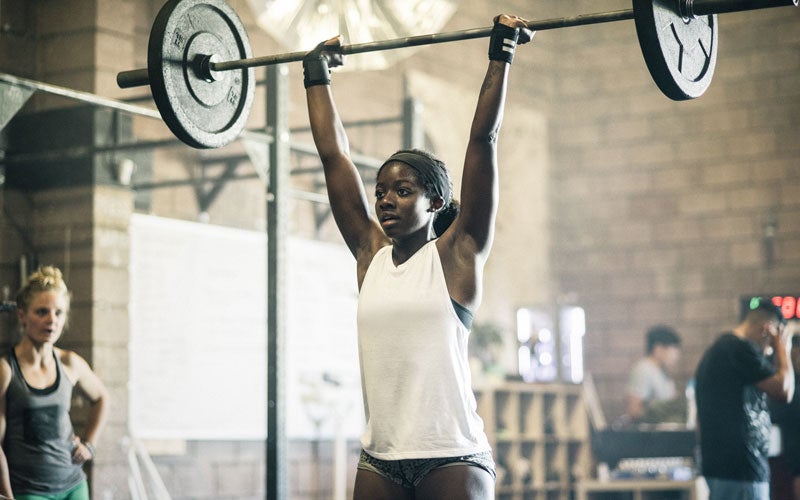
38 442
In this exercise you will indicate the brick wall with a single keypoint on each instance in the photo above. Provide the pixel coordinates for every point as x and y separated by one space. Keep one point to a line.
660 208
61 218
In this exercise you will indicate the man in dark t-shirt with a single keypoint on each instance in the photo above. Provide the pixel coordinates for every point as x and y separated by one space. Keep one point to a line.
733 379
787 417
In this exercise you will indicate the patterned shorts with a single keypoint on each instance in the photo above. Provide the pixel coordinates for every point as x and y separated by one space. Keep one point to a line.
409 473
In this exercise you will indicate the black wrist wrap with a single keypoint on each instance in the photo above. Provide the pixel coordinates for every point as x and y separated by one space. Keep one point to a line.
315 70
503 42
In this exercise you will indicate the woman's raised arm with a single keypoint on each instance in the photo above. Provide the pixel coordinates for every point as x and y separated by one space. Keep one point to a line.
345 188
479 188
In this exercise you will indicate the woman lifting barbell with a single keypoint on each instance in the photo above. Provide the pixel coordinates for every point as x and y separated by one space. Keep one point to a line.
419 270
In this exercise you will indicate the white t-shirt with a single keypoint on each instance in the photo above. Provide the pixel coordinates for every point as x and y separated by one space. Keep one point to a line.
648 381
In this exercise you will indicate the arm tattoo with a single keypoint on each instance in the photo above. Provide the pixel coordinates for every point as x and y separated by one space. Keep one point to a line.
490 79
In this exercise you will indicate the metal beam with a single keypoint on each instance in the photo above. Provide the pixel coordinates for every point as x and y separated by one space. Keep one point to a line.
363 161
81 96
13 97
277 232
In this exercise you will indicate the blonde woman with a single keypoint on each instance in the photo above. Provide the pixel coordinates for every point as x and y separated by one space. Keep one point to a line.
41 457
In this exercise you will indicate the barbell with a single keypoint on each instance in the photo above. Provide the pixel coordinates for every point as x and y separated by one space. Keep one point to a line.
200 64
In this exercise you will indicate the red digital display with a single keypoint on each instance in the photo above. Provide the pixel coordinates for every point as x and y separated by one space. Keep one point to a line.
788 302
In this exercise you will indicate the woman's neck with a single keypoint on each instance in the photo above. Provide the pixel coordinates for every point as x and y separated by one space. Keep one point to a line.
33 353
403 249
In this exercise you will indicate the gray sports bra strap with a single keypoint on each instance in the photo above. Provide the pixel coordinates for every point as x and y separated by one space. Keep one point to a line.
464 314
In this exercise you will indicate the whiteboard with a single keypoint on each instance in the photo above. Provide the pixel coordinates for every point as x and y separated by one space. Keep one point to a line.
198 334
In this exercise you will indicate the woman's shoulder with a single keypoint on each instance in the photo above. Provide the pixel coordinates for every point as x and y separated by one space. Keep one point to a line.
69 359
72 363
5 371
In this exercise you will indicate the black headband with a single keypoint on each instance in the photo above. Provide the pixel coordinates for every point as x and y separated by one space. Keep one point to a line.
429 173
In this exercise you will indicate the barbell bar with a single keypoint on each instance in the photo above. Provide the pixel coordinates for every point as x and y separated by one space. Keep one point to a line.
200 63
139 77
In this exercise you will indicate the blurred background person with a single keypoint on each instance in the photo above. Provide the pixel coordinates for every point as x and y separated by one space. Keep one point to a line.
652 396
787 417
733 379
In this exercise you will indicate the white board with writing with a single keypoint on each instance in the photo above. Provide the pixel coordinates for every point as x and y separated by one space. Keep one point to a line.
198 334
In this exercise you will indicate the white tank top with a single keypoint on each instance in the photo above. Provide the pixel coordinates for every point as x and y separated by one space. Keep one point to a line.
415 377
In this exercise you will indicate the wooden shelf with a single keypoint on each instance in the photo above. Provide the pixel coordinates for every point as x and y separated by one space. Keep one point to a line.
540 437
694 489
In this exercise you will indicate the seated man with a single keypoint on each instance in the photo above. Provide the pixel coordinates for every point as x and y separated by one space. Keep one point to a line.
651 393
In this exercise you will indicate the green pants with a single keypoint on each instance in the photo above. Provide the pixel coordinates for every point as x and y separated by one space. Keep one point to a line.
79 492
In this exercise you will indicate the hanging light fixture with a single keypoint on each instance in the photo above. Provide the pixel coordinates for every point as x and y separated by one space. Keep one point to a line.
302 24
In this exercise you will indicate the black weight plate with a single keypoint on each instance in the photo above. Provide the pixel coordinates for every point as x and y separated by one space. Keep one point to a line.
680 53
203 113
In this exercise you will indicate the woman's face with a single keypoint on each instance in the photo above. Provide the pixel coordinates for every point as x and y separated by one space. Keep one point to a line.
44 319
400 201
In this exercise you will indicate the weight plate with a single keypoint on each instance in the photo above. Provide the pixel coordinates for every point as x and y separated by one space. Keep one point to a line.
202 111
680 53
